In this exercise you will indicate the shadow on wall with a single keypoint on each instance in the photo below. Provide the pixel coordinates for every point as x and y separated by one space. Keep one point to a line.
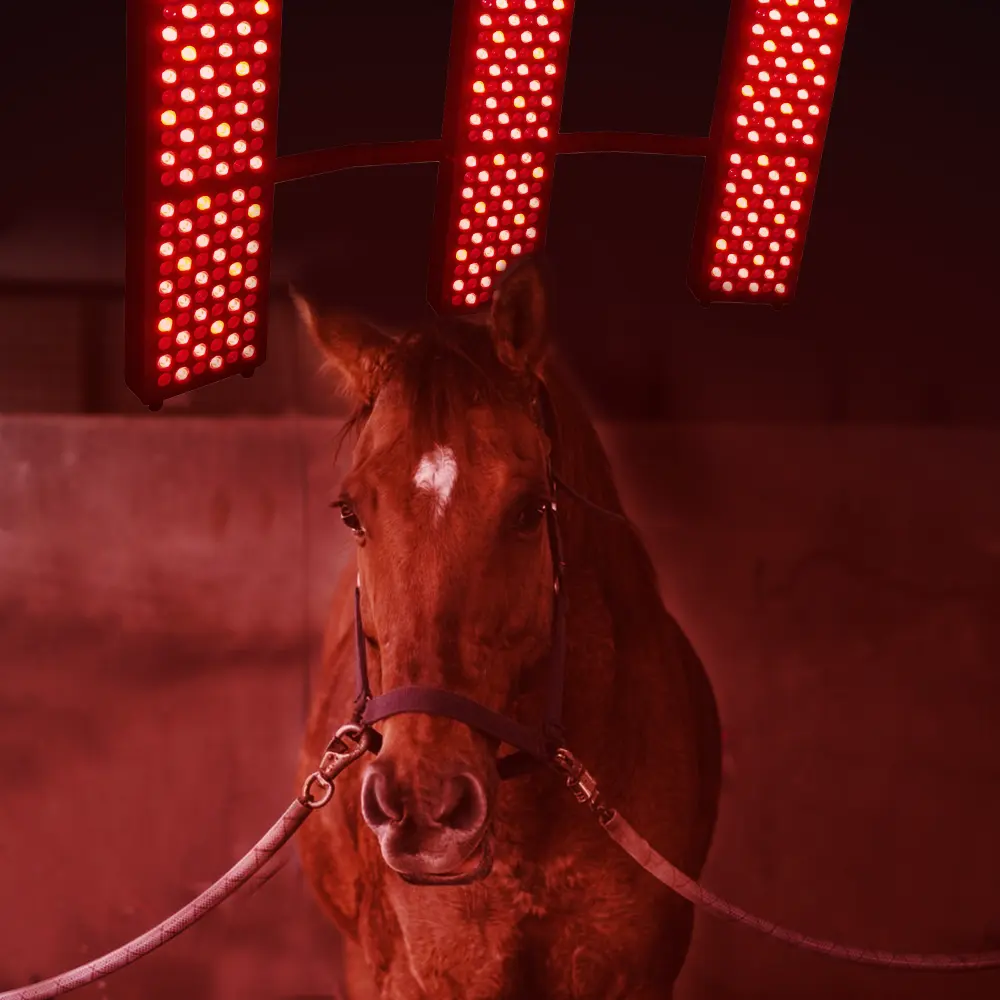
165 582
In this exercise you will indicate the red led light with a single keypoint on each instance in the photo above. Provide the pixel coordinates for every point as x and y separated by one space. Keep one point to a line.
502 110
203 81
772 110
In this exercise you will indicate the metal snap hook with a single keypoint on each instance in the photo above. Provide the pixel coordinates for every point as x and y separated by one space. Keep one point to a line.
336 758
326 791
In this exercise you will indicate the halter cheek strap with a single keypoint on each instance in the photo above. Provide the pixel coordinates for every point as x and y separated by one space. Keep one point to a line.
532 745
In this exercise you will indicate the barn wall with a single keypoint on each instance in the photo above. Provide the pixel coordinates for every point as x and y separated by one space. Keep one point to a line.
163 582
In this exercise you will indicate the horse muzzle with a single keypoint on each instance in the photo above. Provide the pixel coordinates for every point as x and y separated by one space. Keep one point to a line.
435 836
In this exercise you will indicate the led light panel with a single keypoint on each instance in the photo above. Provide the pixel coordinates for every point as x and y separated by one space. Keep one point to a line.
774 101
203 82
502 110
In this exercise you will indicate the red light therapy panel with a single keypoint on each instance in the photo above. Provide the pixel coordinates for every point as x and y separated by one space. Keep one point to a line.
505 89
202 142
774 101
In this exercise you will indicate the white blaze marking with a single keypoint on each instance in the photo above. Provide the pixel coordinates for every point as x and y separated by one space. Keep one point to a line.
436 474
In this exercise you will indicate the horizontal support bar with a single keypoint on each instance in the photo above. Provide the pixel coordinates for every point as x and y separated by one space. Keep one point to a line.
295 166
632 142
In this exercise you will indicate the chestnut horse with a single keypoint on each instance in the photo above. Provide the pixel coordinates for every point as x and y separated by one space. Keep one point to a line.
447 497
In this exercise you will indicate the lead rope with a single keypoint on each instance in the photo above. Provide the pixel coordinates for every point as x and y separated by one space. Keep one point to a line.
581 783
316 793
237 876
585 789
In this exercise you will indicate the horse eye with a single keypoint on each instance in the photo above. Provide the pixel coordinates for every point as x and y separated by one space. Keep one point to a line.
528 517
349 517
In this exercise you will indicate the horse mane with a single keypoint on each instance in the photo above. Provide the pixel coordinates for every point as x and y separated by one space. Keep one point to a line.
612 546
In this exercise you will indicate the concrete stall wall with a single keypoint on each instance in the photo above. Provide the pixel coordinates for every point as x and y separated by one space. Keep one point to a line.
163 584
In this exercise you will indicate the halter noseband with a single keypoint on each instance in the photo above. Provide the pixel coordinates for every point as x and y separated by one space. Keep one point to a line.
533 746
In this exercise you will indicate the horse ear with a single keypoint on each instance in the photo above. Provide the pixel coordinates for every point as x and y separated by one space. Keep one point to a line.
518 319
356 351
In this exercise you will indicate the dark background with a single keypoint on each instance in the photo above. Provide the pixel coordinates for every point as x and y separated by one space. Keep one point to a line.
893 320
817 488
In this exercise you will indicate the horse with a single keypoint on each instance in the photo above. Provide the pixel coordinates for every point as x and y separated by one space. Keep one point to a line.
449 497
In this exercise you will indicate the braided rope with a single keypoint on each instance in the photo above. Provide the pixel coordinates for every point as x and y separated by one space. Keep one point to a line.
658 866
614 825
234 879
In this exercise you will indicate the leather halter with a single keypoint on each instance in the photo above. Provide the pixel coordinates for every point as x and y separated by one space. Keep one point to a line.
534 746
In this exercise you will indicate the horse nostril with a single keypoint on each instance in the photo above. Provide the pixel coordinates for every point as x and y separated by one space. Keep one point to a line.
381 804
463 804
